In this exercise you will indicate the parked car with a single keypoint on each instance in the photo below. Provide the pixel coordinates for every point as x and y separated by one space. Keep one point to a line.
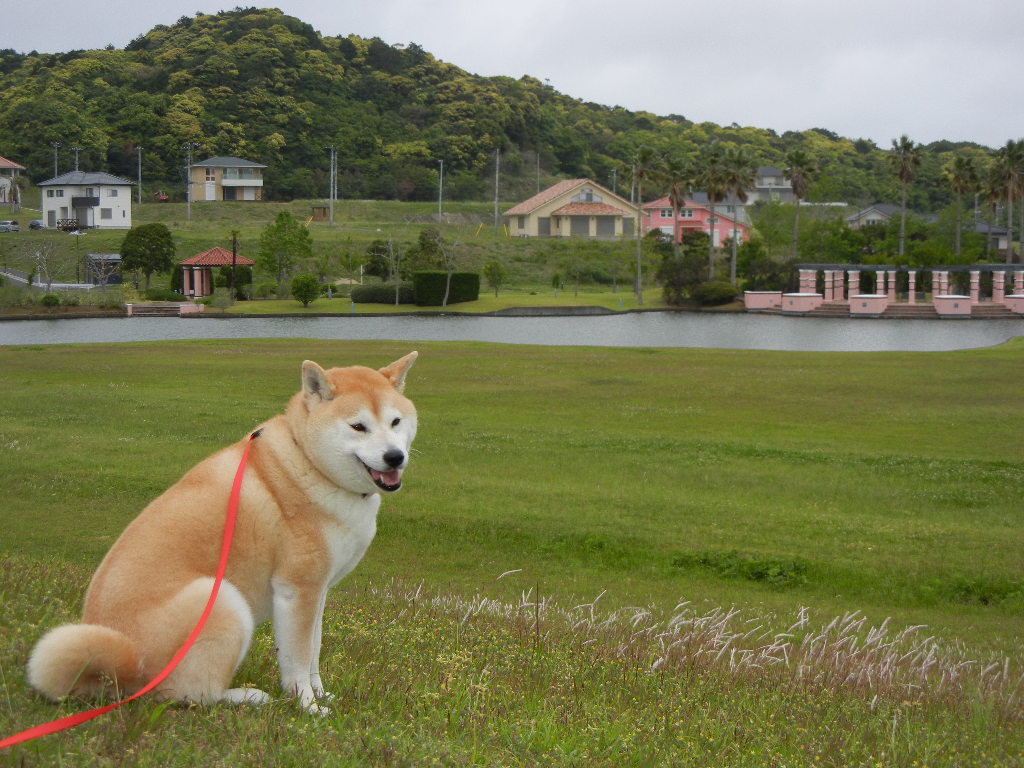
5 227
37 224
12 225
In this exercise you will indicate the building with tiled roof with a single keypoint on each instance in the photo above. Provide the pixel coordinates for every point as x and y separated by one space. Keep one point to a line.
9 171
694 216
573 208
198 269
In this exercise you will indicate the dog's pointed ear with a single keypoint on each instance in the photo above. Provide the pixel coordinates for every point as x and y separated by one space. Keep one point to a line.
315 384
396 372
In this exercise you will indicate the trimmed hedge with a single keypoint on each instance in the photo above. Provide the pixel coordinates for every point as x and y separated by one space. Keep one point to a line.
713 293
382 293
429 287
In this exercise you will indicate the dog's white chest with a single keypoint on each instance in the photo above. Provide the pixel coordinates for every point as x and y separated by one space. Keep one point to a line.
349 534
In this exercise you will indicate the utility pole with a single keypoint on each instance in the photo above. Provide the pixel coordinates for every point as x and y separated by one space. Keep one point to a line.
189 147
333 191
234 260
56 146
76 150
497 171
440 189
138 151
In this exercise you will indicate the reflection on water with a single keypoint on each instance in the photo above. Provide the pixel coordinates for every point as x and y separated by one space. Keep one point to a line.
645 329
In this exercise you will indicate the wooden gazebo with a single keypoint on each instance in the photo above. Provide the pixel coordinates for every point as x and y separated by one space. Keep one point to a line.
198 271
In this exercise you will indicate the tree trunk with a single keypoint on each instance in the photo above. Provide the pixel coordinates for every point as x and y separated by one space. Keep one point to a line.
796 231
711 244
903 217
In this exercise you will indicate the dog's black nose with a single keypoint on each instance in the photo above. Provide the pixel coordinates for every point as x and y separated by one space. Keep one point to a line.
394 458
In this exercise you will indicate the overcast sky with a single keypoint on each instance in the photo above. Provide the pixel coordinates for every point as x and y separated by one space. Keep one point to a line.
932 69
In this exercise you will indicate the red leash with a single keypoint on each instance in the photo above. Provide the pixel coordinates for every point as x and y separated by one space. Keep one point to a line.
55 726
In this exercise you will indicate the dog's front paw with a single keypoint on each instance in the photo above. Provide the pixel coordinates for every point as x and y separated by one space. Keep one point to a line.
251 696
310 701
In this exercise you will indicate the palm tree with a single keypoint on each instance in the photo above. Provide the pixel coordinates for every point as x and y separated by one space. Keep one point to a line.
1009 167
905 159
993 192
644 166
740 169
800 168
711 174
676 174
963 178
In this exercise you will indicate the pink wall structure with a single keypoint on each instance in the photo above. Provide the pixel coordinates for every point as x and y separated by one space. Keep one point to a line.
840 283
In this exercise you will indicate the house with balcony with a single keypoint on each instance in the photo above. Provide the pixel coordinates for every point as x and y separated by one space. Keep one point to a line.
695 216
226 178
572 208
770 183
87 200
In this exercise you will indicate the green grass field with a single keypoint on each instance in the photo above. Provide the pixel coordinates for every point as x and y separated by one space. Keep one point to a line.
555 584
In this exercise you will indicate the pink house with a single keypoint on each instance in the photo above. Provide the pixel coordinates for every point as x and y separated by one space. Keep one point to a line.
695 215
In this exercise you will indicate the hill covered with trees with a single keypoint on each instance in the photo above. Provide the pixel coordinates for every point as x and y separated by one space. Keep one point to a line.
260 84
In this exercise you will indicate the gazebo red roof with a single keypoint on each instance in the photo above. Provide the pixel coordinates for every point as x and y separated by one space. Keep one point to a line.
217 257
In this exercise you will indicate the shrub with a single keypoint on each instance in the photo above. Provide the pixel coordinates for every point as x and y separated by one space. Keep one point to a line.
714 292
162 294
383 293
776 571
305 288
265 290
429 287
50 301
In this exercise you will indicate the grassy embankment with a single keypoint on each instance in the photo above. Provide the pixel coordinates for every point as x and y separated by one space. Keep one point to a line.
530 263
790 487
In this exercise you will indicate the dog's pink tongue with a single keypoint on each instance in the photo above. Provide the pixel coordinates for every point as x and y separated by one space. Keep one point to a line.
394 477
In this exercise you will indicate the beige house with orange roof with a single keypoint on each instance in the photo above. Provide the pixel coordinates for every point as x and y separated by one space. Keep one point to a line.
9 171
573 208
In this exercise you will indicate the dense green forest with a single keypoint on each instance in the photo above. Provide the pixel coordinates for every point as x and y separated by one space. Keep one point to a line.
266 86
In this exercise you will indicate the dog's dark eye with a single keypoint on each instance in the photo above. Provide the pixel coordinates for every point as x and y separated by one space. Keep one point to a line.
358 426
396 422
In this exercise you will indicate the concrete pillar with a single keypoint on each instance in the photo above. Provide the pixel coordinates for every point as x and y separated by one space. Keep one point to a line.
998 287
854 282
1018 282
186 281
912 292
975 286
807 280
891 293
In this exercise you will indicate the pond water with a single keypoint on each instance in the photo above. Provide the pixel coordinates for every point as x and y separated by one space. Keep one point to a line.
642 329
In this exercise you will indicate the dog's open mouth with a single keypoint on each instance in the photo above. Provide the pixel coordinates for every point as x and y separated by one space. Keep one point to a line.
386 481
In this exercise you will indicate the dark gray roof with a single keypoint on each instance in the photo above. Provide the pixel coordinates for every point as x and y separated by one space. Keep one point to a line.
228 162
84 178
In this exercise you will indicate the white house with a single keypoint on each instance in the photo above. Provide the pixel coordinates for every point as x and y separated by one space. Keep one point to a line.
87 199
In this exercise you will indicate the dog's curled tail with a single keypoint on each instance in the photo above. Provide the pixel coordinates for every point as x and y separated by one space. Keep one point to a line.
83 659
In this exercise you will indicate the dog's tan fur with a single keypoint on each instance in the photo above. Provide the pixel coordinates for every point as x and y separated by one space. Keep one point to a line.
307 514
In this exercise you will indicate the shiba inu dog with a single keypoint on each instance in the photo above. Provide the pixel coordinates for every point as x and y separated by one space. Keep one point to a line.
306 515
